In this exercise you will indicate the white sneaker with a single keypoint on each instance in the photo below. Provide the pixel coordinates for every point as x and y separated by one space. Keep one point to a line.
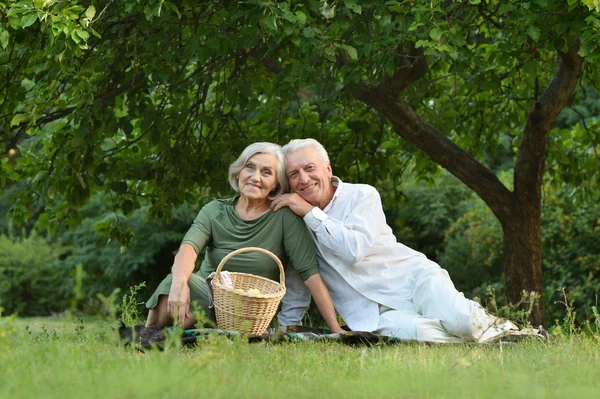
500 329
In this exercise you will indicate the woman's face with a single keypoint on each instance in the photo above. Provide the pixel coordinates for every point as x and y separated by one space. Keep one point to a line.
258 177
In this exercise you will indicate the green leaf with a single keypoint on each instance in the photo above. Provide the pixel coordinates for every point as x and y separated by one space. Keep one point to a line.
352 4
18 118
90 12
308 32
504 8
75 37
434 33
4 36
531 67
96 33
27 84
28 20
351 52
586 48
534 33
14 22
301 16
82 34
272 22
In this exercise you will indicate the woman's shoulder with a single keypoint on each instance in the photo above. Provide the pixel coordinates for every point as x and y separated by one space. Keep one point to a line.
217 206
286 213
288 219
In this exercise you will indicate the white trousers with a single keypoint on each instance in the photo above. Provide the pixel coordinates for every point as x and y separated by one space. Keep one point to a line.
439 313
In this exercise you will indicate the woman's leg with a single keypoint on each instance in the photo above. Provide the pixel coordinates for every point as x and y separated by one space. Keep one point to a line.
159 317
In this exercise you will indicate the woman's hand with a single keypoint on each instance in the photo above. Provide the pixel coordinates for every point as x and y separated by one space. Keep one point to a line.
178 304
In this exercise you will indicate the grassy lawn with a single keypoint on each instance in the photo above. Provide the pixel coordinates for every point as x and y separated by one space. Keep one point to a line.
56 358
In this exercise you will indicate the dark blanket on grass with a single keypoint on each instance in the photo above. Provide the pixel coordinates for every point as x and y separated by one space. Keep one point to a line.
147 338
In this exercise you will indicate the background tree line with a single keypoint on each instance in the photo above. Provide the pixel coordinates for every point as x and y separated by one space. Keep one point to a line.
141 104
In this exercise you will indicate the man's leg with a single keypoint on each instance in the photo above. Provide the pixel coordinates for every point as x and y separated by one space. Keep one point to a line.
408 324
435 297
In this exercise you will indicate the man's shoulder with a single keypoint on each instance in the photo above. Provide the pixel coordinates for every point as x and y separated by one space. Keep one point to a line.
358 190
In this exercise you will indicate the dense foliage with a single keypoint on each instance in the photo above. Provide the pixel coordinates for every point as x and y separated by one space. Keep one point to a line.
147 101
30 283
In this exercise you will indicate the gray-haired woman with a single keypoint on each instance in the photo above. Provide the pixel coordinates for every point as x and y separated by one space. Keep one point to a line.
247 220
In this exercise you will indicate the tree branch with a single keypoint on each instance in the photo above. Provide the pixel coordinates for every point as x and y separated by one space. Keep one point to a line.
409 125
411 67
534 143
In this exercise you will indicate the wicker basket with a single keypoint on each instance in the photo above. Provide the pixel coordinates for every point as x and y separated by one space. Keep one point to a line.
243 312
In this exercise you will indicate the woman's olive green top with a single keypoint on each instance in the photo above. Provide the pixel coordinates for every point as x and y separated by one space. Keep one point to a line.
220 230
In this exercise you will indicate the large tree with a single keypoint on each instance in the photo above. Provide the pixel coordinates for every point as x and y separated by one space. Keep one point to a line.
149 99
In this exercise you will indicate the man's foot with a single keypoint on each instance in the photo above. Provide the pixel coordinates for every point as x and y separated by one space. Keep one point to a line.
539 334
497 331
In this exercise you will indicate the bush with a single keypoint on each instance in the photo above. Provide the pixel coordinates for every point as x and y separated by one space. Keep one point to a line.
473 249
571 234
472 254
30 283
426 212
107 265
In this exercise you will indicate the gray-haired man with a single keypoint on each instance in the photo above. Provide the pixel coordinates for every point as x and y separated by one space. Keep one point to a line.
376 283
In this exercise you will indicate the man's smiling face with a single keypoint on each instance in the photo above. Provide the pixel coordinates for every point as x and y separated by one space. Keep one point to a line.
310 177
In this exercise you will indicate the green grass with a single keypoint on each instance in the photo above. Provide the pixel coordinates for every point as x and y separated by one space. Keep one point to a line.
55 358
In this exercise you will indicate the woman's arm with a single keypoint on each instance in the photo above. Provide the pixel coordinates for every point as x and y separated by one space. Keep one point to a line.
178 304
323 301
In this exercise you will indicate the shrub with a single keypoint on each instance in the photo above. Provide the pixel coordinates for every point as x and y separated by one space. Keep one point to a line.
570 232
473 249
30 283
107 265
427 211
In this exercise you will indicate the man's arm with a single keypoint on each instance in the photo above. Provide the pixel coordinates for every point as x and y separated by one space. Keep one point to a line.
351 239
323 301
295 301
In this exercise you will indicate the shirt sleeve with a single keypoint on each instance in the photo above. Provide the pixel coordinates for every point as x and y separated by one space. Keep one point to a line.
299 245
351 239
199 233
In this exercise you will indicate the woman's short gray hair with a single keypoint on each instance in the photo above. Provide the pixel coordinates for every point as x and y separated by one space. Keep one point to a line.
261 148
299 144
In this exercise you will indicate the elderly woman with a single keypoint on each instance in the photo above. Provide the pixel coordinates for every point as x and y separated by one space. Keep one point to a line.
247 220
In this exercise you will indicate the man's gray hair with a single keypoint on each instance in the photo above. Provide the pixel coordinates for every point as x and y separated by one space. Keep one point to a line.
261 148
299 144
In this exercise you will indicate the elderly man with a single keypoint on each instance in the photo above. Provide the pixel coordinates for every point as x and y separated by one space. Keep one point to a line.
376 283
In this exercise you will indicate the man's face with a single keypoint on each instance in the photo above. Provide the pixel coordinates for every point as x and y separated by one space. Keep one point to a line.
310 177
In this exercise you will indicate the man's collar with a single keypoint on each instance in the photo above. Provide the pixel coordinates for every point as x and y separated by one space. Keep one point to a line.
337 183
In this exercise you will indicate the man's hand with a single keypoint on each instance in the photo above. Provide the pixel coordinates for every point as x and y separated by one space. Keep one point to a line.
178 304
296 203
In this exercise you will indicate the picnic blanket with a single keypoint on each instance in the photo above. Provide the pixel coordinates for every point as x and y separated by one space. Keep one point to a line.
148 337
145 338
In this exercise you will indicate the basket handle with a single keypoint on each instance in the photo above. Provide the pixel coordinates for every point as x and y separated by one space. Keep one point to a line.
250 249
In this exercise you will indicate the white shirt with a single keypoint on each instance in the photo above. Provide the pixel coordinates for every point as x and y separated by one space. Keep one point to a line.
361 262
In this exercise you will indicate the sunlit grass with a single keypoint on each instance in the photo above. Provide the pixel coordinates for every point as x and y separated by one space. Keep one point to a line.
58 358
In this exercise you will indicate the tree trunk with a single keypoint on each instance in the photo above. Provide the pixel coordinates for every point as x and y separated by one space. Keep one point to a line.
523 258
519 212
